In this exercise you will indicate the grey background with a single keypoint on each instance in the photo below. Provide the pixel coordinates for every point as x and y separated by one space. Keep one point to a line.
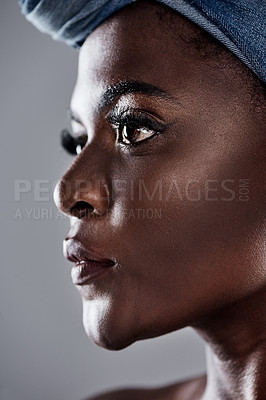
44 352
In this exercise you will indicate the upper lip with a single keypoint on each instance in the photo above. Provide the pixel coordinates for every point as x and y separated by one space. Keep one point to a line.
76 252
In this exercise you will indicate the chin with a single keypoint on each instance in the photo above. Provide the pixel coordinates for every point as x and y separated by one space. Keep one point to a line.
104 328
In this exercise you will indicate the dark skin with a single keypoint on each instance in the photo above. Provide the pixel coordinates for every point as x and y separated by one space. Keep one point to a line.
200 263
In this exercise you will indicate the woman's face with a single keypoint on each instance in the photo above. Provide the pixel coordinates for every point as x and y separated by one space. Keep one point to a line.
172 171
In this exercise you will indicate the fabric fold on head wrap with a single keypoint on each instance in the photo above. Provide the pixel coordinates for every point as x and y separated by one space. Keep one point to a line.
239 24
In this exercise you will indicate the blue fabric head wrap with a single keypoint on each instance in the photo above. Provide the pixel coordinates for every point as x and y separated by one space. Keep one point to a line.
239 24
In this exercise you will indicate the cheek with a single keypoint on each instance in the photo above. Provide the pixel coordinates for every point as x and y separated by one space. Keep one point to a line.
187 245
199 251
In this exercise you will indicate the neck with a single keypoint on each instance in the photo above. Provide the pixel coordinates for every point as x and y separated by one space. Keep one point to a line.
236 351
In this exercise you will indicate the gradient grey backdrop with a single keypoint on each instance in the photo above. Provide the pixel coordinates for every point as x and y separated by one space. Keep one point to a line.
44 352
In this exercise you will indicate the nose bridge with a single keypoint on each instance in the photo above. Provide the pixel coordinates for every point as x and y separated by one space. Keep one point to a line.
86 184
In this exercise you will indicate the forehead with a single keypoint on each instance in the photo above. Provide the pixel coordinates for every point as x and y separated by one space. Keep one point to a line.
145 42
139 30
138 42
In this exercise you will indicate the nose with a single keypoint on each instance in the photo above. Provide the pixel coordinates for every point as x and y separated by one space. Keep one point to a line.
84 189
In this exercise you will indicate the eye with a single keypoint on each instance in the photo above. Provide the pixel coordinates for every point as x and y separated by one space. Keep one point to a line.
134 126
73 145
130 135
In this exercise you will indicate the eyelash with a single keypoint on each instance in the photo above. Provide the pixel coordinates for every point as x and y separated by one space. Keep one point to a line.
133 119
71 143
137 120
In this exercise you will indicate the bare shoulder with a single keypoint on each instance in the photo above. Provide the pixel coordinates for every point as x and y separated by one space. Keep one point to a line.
191 389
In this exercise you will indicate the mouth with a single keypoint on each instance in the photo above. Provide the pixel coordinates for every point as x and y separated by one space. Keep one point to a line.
87 266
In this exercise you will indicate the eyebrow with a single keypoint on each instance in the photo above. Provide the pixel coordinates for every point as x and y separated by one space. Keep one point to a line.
127 87
123 88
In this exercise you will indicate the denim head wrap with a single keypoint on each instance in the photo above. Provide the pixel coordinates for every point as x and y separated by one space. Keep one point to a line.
239 24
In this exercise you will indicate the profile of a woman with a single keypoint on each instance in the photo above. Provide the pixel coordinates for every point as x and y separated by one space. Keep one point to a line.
165 194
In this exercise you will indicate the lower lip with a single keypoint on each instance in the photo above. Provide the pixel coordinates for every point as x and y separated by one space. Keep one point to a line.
86 271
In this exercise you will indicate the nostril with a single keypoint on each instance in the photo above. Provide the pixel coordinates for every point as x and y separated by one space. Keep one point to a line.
81 209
